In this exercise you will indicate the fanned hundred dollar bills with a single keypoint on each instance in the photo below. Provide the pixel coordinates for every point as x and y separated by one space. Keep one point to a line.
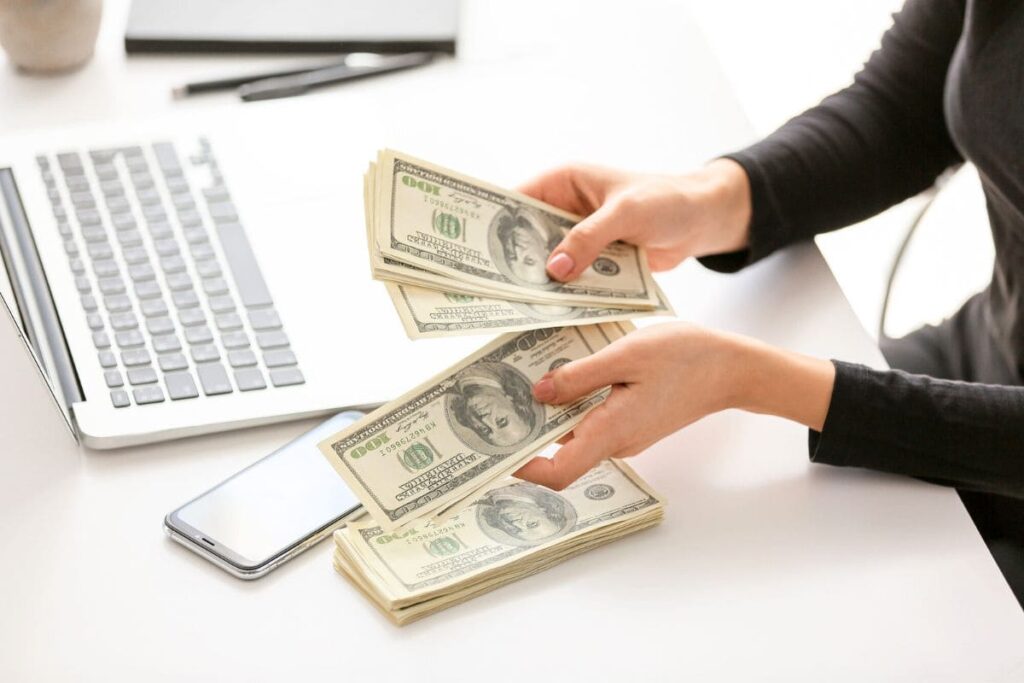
435 235
476 422
509 531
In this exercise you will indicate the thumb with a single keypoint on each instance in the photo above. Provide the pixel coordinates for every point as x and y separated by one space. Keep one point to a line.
580 377
585 242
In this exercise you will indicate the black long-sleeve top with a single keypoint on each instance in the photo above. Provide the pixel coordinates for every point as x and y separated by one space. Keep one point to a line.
946 85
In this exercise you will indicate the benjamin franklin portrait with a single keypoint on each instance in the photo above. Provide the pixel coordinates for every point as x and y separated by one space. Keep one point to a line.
524 515
490 408
520 243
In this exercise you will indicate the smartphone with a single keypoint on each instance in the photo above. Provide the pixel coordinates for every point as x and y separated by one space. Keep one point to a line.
272 510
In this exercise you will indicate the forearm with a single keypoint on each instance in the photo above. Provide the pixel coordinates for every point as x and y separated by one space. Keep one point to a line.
773 381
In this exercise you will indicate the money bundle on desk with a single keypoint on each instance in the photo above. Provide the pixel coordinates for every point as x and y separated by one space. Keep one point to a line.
511 530
460 256
446 521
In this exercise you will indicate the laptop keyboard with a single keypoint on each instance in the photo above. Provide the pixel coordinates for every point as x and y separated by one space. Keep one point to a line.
167 320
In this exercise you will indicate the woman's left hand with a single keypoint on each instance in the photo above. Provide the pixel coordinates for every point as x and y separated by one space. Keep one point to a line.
665 377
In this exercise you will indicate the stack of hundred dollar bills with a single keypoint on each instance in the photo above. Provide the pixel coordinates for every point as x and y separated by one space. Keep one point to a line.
460 256
513 529
432 468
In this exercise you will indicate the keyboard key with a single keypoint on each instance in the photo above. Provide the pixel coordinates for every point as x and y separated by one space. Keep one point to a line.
135 357
176 184
167 247
95 321
179 281
172 264
184 202
160 325
203 252
148 196
208 269
147 289
143 375
105 172
180 385
154 213
285 377
164 343
190 219
88 217
241 358
119 398
129 238
214 379
205 353
173 361
198 335
221 304
124 222
191 316
186 299
223 212
228 321
249 379
111 285
218 193
94 233
264 319
271 340
279 358
105 268
100 250
141 271
69 160
71 248
124 321
101 340
142 181
113 379
152 307
196 236
118 205
136 255
82 284
148 394
64 228
129 338
117 303
252 288
215 286
160 230
235 340
77 266
107 359
89 302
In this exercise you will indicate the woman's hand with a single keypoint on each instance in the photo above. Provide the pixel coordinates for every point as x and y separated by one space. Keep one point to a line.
665 377
673 217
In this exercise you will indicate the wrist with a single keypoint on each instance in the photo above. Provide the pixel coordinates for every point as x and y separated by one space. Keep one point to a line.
773 381
726 190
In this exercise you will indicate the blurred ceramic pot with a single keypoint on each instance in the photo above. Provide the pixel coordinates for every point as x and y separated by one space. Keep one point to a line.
49 35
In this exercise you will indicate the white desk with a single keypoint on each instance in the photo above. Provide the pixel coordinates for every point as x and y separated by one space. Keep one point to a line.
766 566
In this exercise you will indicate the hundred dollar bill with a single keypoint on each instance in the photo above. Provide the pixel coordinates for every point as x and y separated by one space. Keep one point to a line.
511 529
427 312
458 228
475 422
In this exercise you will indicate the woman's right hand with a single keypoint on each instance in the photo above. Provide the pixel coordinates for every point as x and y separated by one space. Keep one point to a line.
672 216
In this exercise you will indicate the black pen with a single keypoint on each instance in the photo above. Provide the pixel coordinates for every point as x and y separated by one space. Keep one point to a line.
234 81
288 86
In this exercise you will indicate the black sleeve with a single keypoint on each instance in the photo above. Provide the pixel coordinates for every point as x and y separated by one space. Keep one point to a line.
877 142
958 433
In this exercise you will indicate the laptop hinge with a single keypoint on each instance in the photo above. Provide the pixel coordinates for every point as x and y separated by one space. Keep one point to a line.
34 300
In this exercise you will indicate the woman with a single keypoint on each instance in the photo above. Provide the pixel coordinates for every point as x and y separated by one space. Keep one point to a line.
946 85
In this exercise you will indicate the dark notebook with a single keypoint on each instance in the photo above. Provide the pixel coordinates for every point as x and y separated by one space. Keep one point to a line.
292 26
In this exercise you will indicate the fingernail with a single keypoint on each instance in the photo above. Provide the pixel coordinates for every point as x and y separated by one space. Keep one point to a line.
561 265
544 390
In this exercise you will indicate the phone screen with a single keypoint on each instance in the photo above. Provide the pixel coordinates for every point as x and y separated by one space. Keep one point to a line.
273 504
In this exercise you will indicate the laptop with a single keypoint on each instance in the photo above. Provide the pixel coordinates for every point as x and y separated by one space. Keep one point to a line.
173 281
